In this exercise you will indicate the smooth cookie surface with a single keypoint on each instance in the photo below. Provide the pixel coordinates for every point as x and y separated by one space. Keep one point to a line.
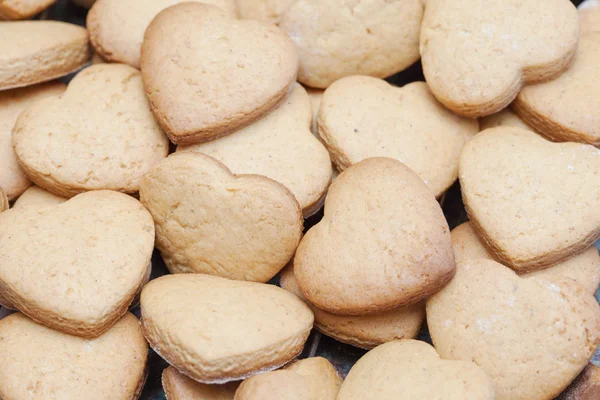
179 387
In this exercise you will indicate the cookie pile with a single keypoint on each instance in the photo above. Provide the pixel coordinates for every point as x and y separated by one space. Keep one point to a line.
211 130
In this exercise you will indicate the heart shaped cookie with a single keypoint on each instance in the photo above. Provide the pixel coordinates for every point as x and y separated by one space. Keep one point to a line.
100 134
39 51
216 330
365 331
362 117
564 109
365 257
589 16
76 266
22 9
281 147
532 336
12 102
36 196
337 39
177 386
117 26
210 221
263 10
207 74
309 379
414 369
533 203
584 268
40 363
477 55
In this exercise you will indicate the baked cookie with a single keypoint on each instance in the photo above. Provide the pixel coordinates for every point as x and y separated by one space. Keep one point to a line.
100 134
506 117
179 387
415 370
309 379
584 268
263 10
42 364
12 102
279 146
589 16
3 202
38 197
585 387
384 38
117 26
532 202
564 109
201 88
39 51
477 55
81 269
362 117
365 331
365 257
532 336
22 9
216 330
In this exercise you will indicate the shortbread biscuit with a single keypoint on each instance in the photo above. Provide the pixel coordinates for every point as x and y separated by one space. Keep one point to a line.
583 268
362 117
216 330
586 386
589 16
263 10
365 257
281 147
564 110
477 55
100 134
39 51
532 202
309 379
117 26
532 336
337 39
210 221
506 117
12 102
22 9
3 203
201 88
40 363
85 260
38 197
366 331
179 387
413 370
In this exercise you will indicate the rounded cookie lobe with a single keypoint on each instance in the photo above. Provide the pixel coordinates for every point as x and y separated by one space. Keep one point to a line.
179 387
382 243
477 55
201 88
216 330
414 369
38 197
337 39
22 9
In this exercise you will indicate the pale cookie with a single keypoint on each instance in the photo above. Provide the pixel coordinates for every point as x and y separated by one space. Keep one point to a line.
179 387
532 336
263 10
365 331
22 9
589 16
477 55
309 379
362 117
532 202
365 257
39 51
583 268
586 386
38 197
117 26
414 371
3 202
201 88
210 221
337 39
100 134
76 266
279 146
42 364
506 117
564 109
216 330
12 102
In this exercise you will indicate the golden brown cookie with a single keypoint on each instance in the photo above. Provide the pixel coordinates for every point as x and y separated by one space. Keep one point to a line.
179 387
230 82
216 330
22 9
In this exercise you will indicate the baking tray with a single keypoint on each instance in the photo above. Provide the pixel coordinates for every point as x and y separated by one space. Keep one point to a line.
341 355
